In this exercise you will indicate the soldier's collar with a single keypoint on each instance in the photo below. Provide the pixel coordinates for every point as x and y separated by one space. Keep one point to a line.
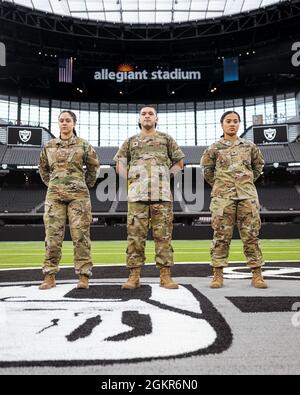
239 141
70 141
141 136
230 143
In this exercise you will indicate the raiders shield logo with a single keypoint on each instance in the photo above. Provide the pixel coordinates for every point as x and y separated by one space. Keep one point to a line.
25 135
270 134
106 325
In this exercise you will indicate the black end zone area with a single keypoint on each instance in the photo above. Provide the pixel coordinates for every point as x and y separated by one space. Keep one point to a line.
271 304
110 291
150 271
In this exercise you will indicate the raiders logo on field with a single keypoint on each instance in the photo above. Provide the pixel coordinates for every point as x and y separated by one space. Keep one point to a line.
105 324
270 271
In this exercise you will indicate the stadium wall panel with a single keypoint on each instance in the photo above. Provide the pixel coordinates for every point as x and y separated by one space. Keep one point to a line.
204 232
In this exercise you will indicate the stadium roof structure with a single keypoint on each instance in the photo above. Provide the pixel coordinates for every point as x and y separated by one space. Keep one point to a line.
145 11
262 38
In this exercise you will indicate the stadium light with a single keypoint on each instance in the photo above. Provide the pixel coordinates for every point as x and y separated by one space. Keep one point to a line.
294 164
276 165
27 167
4 166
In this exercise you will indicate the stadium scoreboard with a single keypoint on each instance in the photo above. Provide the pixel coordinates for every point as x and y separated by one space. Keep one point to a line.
270 134
27 136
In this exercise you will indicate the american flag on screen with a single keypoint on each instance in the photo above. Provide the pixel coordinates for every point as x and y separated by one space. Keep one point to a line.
65 66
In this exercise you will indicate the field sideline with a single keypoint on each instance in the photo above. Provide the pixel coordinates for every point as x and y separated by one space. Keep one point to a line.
31 254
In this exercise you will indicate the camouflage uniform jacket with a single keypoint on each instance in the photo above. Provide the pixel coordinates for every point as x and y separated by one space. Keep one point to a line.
231 168
148 160
61 163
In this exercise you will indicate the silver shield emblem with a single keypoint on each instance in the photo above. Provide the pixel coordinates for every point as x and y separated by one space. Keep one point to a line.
270 134
25 135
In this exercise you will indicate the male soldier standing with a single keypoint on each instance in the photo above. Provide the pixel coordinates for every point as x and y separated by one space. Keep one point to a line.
61 169
148 159
231 166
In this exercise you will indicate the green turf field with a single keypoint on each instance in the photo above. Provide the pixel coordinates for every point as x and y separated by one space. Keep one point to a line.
30 254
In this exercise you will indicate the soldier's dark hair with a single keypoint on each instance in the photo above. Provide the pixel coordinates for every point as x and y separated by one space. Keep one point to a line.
147 105
229 112
72 115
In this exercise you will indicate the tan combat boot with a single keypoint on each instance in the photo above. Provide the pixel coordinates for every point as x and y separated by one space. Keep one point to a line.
83 282
257 279
49 282
217 281
133 279
166 280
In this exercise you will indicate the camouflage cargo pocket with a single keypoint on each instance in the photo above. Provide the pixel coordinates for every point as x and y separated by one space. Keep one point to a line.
130 220
255 208
88 212
137 222
48 212
80 214
217 206
169 223
256 214
164 227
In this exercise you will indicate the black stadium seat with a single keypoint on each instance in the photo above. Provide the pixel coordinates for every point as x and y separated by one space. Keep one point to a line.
16 199
279 197
21 156
2 152
295 149
282 153
106 154
276 153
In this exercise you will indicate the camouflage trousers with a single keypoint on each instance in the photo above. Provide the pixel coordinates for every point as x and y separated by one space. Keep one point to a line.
141 216
78 211
225 214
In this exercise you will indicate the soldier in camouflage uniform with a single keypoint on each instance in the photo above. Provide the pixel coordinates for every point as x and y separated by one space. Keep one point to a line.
231 166
147 159
61 169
